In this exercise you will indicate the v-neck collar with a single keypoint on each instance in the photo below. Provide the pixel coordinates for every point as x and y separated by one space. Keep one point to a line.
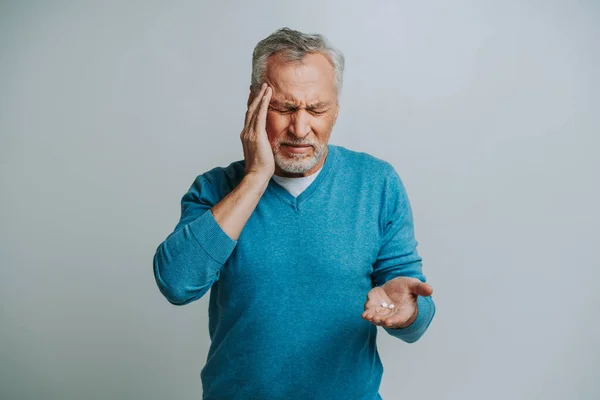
295 202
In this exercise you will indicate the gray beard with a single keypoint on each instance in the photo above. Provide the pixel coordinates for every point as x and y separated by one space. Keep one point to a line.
299 163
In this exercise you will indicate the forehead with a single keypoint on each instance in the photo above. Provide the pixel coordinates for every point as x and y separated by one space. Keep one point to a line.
308 80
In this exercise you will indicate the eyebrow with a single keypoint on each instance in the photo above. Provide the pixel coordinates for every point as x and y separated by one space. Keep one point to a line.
291 105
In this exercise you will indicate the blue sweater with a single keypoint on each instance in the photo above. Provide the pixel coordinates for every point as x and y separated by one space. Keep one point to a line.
286 298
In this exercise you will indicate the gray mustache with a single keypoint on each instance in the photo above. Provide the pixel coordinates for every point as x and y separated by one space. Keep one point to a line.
297 144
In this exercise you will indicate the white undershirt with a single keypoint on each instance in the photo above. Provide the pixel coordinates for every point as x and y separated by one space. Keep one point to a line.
296 185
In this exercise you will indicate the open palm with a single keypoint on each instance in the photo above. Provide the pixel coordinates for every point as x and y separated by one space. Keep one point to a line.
402 293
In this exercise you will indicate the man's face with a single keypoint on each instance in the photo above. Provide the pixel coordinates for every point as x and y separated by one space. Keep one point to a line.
302 113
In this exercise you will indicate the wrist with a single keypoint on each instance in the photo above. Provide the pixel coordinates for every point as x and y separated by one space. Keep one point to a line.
257 180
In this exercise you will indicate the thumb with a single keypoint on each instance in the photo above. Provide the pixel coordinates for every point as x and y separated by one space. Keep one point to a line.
420 288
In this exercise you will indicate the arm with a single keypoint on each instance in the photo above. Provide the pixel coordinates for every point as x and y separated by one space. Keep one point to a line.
398 255
190 259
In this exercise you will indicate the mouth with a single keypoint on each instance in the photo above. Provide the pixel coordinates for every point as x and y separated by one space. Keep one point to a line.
296 148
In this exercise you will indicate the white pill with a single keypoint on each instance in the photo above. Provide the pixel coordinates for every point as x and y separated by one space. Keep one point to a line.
384 304
391 306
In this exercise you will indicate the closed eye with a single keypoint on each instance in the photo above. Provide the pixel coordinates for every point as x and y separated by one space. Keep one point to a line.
286 111
293 110
318 112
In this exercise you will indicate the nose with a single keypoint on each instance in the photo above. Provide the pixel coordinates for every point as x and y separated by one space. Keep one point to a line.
300 124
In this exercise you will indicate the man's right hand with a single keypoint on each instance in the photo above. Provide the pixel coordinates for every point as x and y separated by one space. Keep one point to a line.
257 149
233 211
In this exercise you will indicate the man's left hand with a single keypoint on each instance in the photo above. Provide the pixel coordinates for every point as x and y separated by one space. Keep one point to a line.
402 292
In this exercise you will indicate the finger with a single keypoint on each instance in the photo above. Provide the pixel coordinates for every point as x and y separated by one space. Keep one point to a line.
420 288
383 313
251 127
372 317
371 311
368 314
261 117
376 312
254 104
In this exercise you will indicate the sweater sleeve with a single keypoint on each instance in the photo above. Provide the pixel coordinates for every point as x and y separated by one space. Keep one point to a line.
398 255
189 260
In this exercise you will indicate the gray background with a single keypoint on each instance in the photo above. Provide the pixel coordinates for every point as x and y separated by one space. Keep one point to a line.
488 110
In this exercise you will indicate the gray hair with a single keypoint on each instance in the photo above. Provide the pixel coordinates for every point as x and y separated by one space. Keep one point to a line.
293 46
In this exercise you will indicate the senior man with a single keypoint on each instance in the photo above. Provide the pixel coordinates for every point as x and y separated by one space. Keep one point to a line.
306 246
